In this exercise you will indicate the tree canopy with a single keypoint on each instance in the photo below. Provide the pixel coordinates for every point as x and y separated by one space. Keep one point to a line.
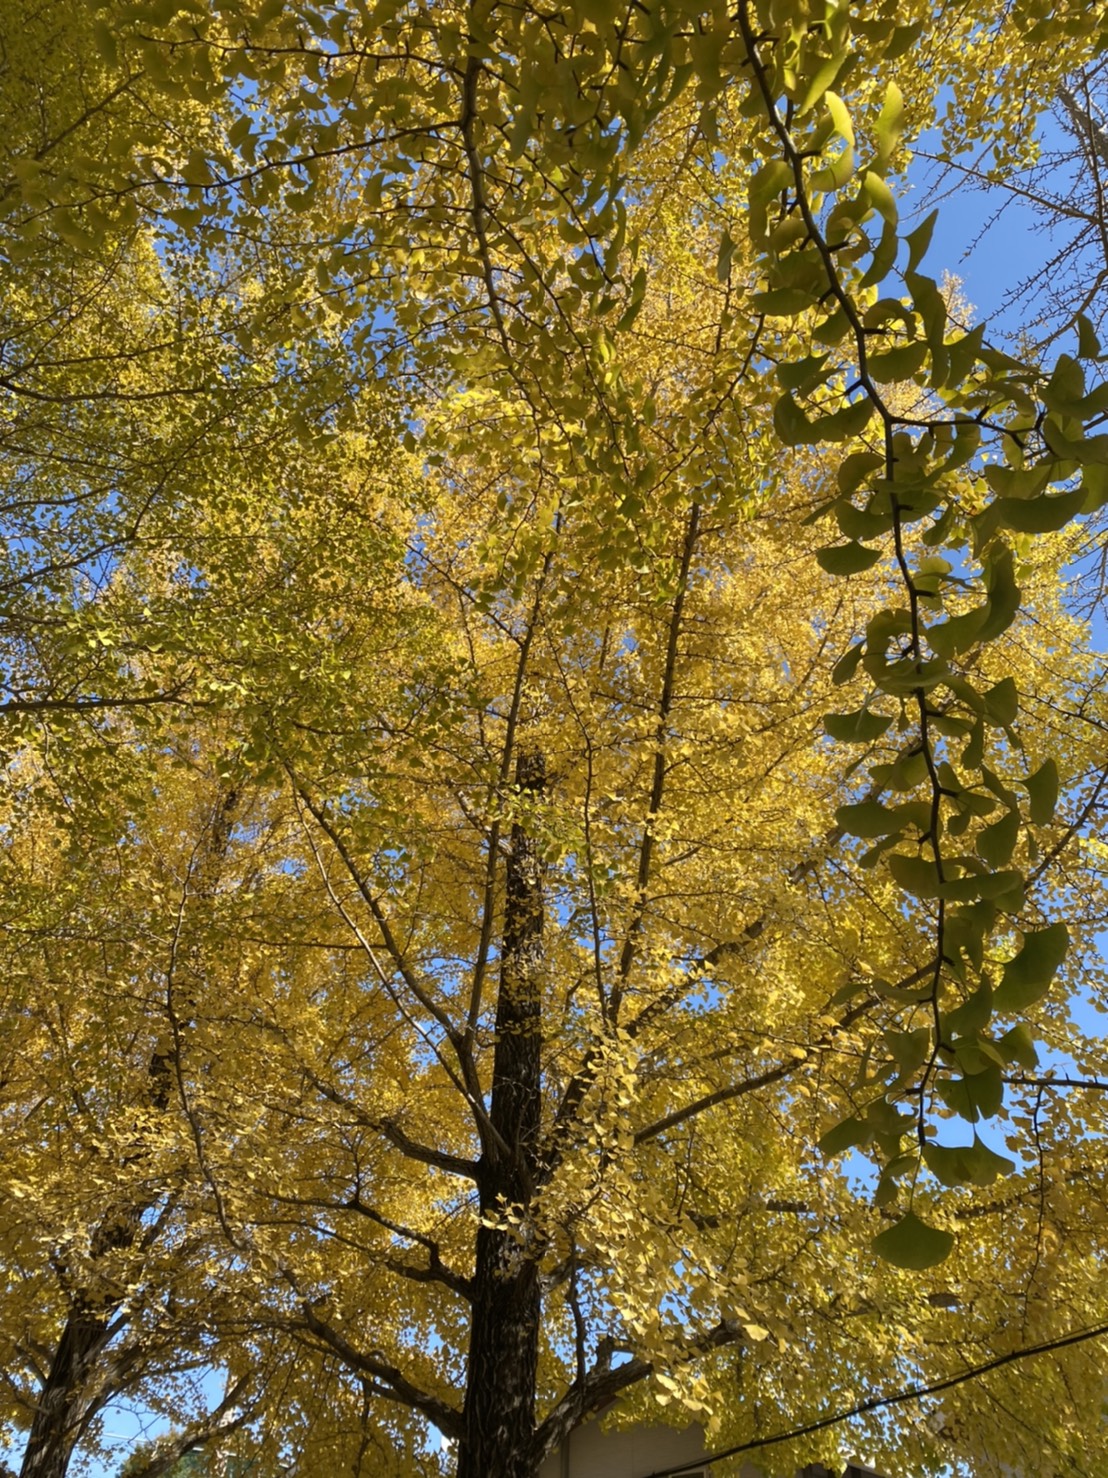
550 828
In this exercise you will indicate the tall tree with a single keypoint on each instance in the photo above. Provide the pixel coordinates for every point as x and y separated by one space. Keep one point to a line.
573 920
162 470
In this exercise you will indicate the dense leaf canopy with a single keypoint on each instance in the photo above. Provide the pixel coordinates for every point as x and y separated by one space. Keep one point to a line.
550 830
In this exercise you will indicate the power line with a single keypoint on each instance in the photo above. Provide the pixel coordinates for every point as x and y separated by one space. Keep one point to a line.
876 1403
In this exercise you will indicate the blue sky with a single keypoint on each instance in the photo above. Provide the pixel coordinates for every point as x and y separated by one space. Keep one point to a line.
991 256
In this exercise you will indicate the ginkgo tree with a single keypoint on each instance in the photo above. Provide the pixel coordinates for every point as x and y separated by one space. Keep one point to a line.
690 776
147 441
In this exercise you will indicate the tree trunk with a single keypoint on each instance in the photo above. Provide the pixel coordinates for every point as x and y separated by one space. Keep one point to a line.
60 1409
499 1413
63 1403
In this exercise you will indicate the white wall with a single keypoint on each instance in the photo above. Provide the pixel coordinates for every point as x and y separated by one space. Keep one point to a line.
635 1453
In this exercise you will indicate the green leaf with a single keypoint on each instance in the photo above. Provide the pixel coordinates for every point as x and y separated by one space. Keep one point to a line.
897 364
1042 791
1018 1046
833 329
803 374
880 196
1066 388
939 531
887 1119
883 260
972 1015
974 1095
847 559
854 469
913 1244
994 884
889 123
782 302
969 1164
967 929
994 783
723 258
951 727
1004 595
1028 976
976 1055
974 753
770 181
104 40
920 239
1002 701
835 173
847 665
908 771
975 702
841 120
964 352
859 727
902 995
790 422
974 885
958 633
845 1136
945 1162
996 843
886 1190
903 38
850 421
885 626
909 1049
930 304
903 674
1041 515
868 819
824 76
915 875
1088 345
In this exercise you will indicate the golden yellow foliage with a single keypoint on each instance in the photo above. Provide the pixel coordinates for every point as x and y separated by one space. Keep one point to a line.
477 856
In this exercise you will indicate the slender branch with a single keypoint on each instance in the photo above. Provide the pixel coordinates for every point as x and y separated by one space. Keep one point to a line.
760 1080
470 1084
219 1422
436 1270
657 785
1092 1084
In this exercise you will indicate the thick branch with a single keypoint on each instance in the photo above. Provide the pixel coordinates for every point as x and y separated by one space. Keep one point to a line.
898 1398
391 1382
436 1270
425 1154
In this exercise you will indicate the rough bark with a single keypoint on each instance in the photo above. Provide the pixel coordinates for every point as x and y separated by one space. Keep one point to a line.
499 1415
59 1413
64 1402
